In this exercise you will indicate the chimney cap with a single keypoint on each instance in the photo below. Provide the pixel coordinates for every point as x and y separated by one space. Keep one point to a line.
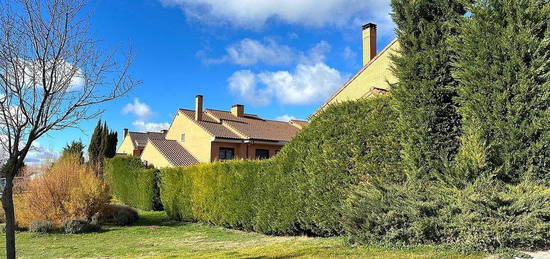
369 25
236 105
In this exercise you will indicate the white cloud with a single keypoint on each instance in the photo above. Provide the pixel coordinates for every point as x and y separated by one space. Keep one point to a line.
244 83
256 13
285 117
143 113
150 126
311 80
307 84
249 52
139 109
39 154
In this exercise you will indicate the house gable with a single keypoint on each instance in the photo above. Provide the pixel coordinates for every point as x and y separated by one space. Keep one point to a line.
376 74
197 140
127 146
151 156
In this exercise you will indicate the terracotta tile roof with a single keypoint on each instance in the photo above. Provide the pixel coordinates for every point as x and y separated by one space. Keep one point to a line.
140 138
215 128
224 124
174 152
252 127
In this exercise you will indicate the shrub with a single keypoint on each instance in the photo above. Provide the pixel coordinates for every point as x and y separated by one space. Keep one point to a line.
67 190
410 214
120 215
485 215
40 226
132 183
77 226
496 215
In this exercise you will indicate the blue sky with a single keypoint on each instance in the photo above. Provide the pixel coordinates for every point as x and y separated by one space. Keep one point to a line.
281 59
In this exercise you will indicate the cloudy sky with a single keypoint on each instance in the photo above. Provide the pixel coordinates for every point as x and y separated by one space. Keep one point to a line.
280 58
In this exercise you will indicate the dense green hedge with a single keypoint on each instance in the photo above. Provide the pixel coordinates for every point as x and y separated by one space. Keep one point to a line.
313 174
303 188
217 193
132 183
341 175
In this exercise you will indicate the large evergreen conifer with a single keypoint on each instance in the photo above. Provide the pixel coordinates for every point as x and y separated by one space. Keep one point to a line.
503 56
424 97
94 149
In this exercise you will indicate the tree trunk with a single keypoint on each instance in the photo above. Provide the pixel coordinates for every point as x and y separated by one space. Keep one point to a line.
7 203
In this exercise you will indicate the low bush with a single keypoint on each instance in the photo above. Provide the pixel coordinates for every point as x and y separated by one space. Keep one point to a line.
77 226
496 215
486 215
66 190
132 183
120 215
41 227
397 214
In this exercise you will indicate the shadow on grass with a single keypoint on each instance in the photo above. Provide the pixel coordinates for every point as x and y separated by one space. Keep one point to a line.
157 218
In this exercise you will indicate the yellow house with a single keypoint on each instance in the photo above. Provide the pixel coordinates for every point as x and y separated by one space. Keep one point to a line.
207 135
374 77
133 143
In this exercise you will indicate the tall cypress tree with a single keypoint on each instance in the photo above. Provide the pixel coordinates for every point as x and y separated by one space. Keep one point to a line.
503 56
94 149
110 147
104 141
108 142
424 96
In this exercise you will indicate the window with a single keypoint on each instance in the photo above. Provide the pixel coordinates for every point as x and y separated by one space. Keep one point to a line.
226 153
182 137
262 154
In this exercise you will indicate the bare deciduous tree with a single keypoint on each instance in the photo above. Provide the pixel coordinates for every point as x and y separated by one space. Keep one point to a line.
52 73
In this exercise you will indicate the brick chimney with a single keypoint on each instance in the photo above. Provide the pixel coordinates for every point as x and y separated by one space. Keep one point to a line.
125 132
198 108
369 42
237 110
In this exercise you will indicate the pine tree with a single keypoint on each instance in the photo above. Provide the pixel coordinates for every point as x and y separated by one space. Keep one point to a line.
75 148
428 122
503 56
94 149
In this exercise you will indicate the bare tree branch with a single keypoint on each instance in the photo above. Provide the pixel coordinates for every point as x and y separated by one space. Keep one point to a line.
52 73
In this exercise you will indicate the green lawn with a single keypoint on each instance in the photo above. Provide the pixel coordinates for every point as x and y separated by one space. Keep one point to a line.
157 237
